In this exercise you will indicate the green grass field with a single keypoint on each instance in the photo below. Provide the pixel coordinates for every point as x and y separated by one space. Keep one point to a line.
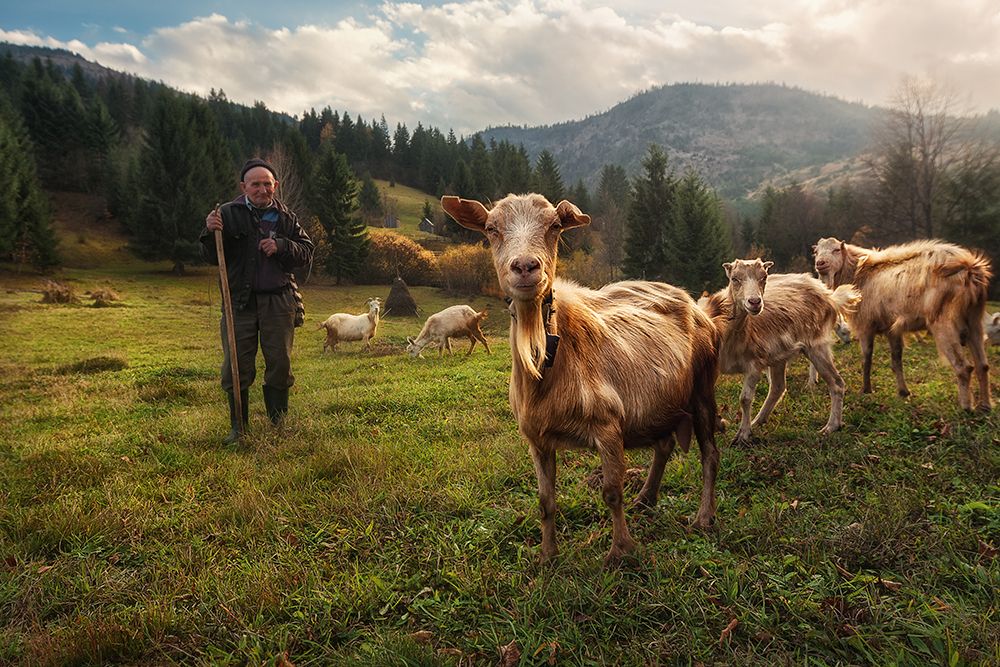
393 520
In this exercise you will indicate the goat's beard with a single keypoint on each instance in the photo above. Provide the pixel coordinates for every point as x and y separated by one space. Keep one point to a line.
527 337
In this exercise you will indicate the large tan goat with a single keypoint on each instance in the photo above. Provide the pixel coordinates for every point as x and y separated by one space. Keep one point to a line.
624 366
919 285
765 320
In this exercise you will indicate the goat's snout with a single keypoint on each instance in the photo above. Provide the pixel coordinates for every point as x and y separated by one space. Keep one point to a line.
525 265
755 304
822 265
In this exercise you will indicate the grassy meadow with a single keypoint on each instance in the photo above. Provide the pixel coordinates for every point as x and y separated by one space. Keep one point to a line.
393 519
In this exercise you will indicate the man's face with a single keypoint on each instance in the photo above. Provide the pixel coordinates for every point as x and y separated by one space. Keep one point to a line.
259 186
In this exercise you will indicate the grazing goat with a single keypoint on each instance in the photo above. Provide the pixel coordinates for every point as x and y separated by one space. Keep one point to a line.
342 326
765 321
625 366
919 285
991 324
440 327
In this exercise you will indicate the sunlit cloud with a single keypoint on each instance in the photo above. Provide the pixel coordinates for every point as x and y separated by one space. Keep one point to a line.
473 63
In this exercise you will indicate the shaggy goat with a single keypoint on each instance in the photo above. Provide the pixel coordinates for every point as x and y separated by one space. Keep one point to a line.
342 326
625 366
440 327
919 285
765 320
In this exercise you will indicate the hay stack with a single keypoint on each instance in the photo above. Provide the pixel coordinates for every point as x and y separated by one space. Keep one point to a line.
400 302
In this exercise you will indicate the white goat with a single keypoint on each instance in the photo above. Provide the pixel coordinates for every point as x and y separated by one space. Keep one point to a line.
991 323
440 327
342 326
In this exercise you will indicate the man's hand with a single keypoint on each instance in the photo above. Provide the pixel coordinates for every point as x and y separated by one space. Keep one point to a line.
269 246
213 222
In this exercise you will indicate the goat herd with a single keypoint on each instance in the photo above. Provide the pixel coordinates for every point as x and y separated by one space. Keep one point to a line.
634 364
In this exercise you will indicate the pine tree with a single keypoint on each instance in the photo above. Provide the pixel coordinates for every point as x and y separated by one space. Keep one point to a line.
334 201
483 175
697 242
25 227
369 199
648 218
185 170
546 178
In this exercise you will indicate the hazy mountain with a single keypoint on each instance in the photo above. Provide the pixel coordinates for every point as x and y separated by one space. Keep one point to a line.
737 136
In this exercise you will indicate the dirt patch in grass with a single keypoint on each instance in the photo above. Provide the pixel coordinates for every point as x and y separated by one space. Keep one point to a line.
93 365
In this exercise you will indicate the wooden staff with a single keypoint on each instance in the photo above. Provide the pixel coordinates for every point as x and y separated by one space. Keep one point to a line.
227 306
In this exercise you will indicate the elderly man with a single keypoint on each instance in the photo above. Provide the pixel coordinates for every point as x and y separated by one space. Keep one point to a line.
263 242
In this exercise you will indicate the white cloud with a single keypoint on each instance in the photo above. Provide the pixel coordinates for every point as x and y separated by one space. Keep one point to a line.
471 63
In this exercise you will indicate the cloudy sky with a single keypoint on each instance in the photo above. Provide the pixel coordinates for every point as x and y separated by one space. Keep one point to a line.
473 63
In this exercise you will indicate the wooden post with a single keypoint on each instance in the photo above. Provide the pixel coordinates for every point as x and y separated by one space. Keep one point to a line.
227 305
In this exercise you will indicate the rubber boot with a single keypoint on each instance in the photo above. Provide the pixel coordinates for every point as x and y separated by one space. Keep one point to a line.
235 432
276 403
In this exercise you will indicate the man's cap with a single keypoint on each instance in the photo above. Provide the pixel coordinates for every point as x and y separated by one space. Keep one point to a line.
256 162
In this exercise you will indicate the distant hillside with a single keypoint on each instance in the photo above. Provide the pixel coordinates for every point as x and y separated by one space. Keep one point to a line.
737 136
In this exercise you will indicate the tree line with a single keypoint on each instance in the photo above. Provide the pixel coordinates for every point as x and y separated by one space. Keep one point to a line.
162 158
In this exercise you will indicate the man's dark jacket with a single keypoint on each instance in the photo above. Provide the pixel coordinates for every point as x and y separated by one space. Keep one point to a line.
240 239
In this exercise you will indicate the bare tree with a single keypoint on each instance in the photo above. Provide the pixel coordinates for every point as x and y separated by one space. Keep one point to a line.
291 189
925 141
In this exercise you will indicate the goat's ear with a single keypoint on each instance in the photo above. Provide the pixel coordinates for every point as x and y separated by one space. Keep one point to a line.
466 212
570 216
815 246
768 265
728 266
843 246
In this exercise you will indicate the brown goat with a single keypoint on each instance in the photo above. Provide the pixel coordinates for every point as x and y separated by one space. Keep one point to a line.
765 320
624 366
919 285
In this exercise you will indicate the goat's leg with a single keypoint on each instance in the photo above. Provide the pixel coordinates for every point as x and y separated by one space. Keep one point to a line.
775 391
662 450
609 445
472 339
896 354
447 343
482 339
949 344
704 418
822 358
813 376
750 380
977 348
867 342
545 472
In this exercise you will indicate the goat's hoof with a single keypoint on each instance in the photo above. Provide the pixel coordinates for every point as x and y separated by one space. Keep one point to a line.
983 408
741 441
703 523
547 555
643 504
827 430
904 393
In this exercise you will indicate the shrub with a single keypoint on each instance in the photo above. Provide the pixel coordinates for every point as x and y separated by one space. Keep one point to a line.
584 268
103 297
391 254
468 269
53 292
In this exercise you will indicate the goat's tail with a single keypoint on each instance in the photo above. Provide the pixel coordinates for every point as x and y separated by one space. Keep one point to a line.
846 299
976 266
322 325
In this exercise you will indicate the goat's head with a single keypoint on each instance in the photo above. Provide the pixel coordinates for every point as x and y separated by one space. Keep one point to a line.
523 231
829 253
373 305
412 348
747 278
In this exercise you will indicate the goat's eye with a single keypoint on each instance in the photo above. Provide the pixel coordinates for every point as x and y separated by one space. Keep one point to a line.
491 230
836 250
737 281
